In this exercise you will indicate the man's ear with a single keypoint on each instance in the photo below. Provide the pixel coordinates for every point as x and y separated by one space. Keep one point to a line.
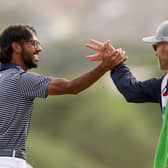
16 47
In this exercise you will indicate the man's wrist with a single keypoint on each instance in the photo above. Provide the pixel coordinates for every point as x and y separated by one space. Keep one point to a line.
103 67
118 67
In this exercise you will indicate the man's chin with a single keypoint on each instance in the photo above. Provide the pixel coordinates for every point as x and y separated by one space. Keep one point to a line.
33 66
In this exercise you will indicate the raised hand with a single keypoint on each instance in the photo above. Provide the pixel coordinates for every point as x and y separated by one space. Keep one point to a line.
115 58
100 48
106 53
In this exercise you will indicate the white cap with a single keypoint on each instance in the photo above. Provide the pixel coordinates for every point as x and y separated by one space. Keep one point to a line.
161 34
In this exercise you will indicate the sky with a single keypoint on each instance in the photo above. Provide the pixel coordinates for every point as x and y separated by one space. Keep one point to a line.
103 19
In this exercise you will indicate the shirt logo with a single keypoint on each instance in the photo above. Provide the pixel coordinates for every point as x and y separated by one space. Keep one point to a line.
165 90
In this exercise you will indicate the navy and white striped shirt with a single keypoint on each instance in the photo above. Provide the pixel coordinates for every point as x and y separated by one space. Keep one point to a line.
18 89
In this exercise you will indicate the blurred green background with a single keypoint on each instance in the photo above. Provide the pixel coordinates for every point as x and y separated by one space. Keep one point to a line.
97 128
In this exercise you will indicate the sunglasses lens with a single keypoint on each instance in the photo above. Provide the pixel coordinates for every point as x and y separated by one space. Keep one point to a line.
36 43
154 47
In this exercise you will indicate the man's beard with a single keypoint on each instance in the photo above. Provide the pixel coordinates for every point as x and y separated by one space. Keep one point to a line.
28 59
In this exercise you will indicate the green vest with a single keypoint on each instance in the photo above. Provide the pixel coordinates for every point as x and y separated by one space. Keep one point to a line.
161 155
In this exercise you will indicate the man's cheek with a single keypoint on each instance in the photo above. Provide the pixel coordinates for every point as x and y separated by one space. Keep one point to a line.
165 53
162 53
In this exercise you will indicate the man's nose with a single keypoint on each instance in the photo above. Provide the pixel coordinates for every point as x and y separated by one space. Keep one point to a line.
39 48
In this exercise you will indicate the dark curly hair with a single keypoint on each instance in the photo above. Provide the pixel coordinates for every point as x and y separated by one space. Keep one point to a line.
13 33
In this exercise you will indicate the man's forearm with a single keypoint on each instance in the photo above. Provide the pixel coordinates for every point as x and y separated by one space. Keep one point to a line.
60 86
133 90
82 82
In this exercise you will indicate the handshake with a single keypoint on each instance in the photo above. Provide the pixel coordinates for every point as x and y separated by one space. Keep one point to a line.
106 53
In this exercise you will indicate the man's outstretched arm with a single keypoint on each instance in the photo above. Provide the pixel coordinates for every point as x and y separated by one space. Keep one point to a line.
133 90
60 86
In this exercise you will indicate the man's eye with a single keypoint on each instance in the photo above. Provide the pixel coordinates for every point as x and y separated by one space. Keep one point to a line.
33 43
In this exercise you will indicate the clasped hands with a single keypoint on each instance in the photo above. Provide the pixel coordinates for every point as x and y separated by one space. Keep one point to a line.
106 53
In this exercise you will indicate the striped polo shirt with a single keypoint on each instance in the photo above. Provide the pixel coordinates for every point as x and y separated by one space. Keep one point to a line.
18 89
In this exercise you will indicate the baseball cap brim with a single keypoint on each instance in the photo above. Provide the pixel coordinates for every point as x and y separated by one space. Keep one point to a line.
154 40
151 39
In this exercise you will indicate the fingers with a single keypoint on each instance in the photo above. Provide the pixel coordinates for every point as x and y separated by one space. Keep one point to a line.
106 44
124 52
113 62
100 46
117 57
98 43
110 45
95 45
94 57
115 53
121 51
108 48
106 53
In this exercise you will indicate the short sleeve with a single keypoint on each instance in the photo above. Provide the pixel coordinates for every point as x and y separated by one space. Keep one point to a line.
33 85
